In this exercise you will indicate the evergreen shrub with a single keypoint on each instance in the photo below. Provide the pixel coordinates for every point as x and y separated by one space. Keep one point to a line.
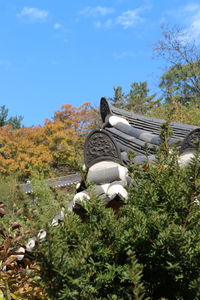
150 249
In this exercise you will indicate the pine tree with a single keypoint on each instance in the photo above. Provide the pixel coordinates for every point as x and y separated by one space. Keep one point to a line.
137 100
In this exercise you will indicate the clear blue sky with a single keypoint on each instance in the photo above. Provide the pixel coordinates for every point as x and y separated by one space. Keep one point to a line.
54 52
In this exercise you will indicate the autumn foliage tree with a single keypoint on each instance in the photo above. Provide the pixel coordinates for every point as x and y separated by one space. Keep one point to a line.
43 148
22 150
66 132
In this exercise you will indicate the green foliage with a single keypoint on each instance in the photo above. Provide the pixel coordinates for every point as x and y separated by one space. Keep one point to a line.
22 217
87 261
181 81
176 112
119 98
177 83
46 204
137 100
34 212
4 120
18 280
13 202
149 250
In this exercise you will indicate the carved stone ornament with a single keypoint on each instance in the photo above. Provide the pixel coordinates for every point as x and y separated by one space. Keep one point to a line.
104 109
191 141
100 146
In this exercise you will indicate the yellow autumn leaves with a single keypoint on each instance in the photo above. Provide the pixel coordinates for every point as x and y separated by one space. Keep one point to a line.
42 148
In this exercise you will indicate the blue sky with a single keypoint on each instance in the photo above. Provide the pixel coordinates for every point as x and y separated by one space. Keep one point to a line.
54 52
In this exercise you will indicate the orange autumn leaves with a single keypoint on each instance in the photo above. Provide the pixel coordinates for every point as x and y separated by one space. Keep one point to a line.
43 148
21 150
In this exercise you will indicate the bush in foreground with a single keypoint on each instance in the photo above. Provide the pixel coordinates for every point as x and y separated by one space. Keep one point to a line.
22 217
149 250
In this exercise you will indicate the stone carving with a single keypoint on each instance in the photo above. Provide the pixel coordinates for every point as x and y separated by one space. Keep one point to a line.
191 141
100 146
